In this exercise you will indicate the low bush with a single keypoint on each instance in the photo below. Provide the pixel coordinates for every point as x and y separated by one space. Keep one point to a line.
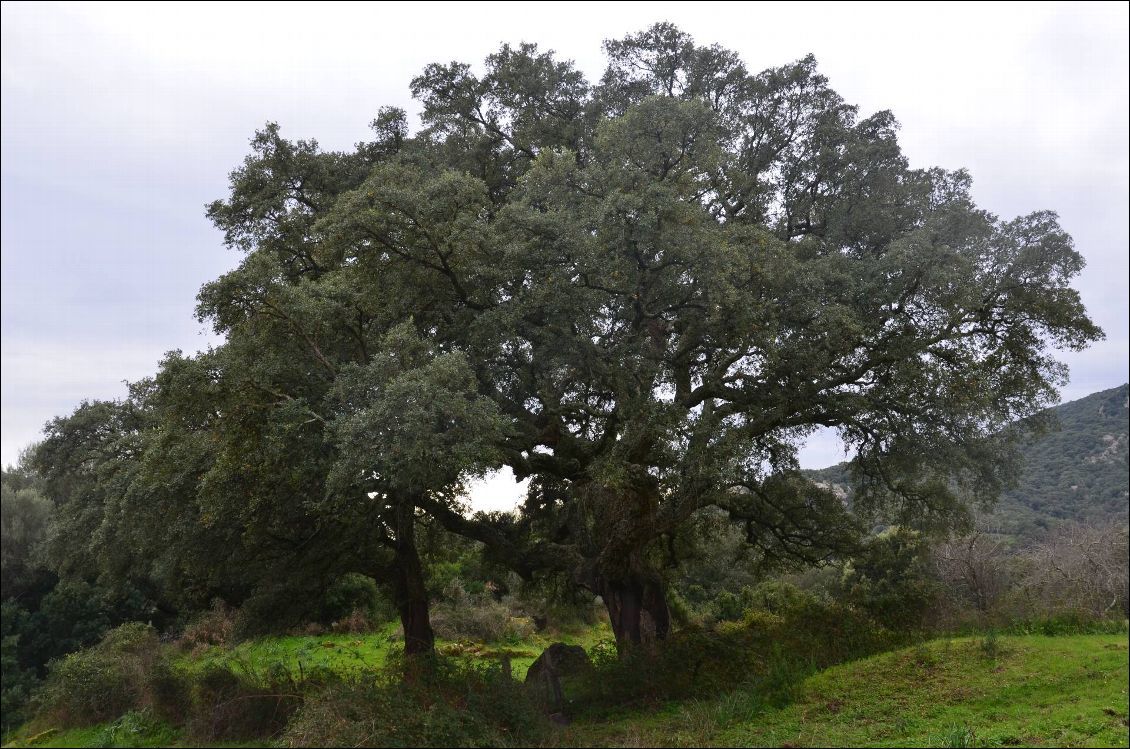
766 652
166 691
102 682
729 607
829 633
357 622
481 618
227 704
691 662
957 735
781 597
431 702
214 627
565 616
129 672
990 646
353 596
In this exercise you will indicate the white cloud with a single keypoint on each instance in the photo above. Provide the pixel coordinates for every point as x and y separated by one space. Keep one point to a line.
497 491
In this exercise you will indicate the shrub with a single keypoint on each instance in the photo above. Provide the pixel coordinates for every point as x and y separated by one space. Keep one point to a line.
728 607
1068 623
166 691
431 702
354 593
825 631
462 616
781 597
892 580
767 652
356 623
695 663
226 705
692 662
215 627
129 670
273 610
101 683
779 683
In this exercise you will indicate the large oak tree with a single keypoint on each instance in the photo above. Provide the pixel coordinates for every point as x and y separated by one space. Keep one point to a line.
668 280
644 294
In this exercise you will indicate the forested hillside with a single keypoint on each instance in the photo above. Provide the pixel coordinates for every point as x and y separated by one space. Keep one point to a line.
1077 471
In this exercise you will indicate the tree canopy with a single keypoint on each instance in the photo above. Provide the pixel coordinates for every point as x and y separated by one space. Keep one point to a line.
642 293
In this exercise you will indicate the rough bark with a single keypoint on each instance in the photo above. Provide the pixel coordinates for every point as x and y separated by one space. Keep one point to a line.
637 609
410 589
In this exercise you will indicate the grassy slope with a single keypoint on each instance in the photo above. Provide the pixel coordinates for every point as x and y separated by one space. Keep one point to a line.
1035 691
1030 690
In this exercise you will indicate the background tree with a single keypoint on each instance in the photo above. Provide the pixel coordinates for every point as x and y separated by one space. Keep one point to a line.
327 412
975 569
409 427
23 527
1081 569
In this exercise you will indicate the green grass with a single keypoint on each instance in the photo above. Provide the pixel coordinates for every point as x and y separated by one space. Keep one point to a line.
100 736
133 729
344 654
111 735
351 655
1018 691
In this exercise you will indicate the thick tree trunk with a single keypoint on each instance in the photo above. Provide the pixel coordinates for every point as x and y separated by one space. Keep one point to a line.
418 636
411 592
637 609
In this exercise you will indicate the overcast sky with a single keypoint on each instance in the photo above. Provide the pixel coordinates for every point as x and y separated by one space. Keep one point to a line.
121 121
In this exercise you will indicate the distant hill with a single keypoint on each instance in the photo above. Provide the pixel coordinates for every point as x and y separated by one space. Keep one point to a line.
1078 471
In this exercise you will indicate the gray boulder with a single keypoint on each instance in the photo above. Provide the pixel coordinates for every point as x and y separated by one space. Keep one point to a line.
558 663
